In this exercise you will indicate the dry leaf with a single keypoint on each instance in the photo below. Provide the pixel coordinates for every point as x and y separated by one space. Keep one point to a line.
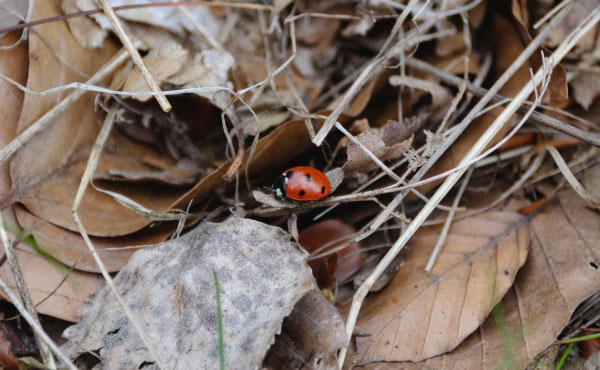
43 276
585 87
87 32
12 12
359 161
13 64
310 338
419 315
171 289
592 180
170 18
561 271
69 248
47 170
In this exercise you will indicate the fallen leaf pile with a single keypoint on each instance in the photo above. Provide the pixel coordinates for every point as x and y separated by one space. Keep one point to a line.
139 145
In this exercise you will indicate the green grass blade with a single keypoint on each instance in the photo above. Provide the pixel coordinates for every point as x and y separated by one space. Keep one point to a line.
219 324
563 358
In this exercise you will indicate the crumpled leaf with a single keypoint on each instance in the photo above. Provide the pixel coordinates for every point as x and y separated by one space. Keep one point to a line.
561 271
171 289
359 161
178 66
311 336
418 314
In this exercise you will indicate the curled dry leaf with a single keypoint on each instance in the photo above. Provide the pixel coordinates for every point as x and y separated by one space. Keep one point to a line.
359 161
69 248
43 277
420 315
310 338
561 271
329 236
175 65
171 289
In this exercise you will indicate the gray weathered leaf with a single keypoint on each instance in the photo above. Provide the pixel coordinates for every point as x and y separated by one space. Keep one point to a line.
171 290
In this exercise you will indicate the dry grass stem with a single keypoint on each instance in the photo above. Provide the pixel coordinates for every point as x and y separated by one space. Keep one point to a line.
448 222
133 52
85 179
564 168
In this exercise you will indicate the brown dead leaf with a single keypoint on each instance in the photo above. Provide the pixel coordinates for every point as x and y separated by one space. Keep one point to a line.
561 271
43 276
310 337
261 276
13 64
47 170
87 32
557 92
69 248
420 315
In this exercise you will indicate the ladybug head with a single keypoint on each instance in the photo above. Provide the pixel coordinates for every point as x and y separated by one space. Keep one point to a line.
278 188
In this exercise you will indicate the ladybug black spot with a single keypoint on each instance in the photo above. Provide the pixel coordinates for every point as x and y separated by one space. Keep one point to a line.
289 174
322 190
307 177
301 193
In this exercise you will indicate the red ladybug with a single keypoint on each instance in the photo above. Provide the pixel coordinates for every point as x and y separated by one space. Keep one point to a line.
302 183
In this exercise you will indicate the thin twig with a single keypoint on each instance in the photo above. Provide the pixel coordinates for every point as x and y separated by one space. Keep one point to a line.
85 179
134 54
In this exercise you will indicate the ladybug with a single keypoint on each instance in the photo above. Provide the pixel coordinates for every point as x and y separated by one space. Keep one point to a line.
301 183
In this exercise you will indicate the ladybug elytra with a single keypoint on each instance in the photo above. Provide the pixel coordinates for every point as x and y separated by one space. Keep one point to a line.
302 183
